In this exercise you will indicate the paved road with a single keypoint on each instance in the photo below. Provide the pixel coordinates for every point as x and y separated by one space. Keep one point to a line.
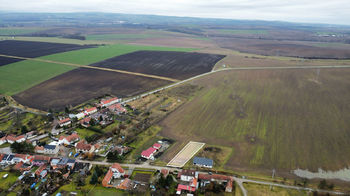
92 67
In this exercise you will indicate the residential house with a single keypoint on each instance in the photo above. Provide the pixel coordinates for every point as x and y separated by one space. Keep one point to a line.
7 159
108 102
12 138
117 108
187 188
157 146
85 122
84 147
54 162
125 184
39 149
65 122
80 115
40 172
51 149
71 163
121 150
3 140
21 158
41 160
148 154
22 166
203 162
90 111
207 178
188 175
69 140
114 172
229 186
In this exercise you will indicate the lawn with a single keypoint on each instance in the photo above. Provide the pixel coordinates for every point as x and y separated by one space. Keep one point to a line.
17 77
83 133
7 182
273 119
22 75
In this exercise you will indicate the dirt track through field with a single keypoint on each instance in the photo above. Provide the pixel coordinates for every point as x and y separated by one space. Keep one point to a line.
91 67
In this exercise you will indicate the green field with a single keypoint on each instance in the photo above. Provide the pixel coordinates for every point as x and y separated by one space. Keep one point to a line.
18 31
262 190
17 77
273 119
7 182
243 32
22 75
120 36
93 55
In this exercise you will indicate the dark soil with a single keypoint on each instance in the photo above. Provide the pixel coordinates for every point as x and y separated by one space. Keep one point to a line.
35 49
178 65
80 85
6 60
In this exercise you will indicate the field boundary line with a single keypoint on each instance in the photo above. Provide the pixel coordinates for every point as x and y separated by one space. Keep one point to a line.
92 67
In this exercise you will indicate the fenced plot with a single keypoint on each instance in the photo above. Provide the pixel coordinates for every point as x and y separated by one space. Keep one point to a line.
185 154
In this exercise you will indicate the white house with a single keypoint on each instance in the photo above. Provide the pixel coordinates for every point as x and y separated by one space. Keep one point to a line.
80 115
69 140
188 175
65 122
90 111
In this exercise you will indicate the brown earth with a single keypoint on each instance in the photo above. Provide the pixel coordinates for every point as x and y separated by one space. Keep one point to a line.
283 48
178 65
80 85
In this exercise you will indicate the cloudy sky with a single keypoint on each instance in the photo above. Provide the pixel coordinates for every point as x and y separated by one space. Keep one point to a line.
309 11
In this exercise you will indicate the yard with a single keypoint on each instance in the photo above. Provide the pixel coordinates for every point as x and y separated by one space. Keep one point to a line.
7 182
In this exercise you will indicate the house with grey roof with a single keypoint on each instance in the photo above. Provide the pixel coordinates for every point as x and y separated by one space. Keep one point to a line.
203 162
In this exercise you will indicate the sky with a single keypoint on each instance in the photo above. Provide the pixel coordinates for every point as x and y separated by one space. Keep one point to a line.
305 11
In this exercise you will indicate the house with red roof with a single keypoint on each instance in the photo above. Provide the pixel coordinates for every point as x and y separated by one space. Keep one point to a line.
85 122
148 154
69 140
114 172
39 149
3 140
90 111
65 122
187 188
22 166
12 138
84 147
117 108
157 146
125 184
187 175
108 102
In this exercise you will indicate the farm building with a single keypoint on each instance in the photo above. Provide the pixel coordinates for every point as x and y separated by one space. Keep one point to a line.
148 154
203 162
65 122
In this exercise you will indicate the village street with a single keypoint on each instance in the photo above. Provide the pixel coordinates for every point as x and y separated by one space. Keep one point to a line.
239 181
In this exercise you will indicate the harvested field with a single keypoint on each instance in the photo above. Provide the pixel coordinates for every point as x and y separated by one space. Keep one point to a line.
185 154
285 48
282 119
178 65
80 85
35 49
